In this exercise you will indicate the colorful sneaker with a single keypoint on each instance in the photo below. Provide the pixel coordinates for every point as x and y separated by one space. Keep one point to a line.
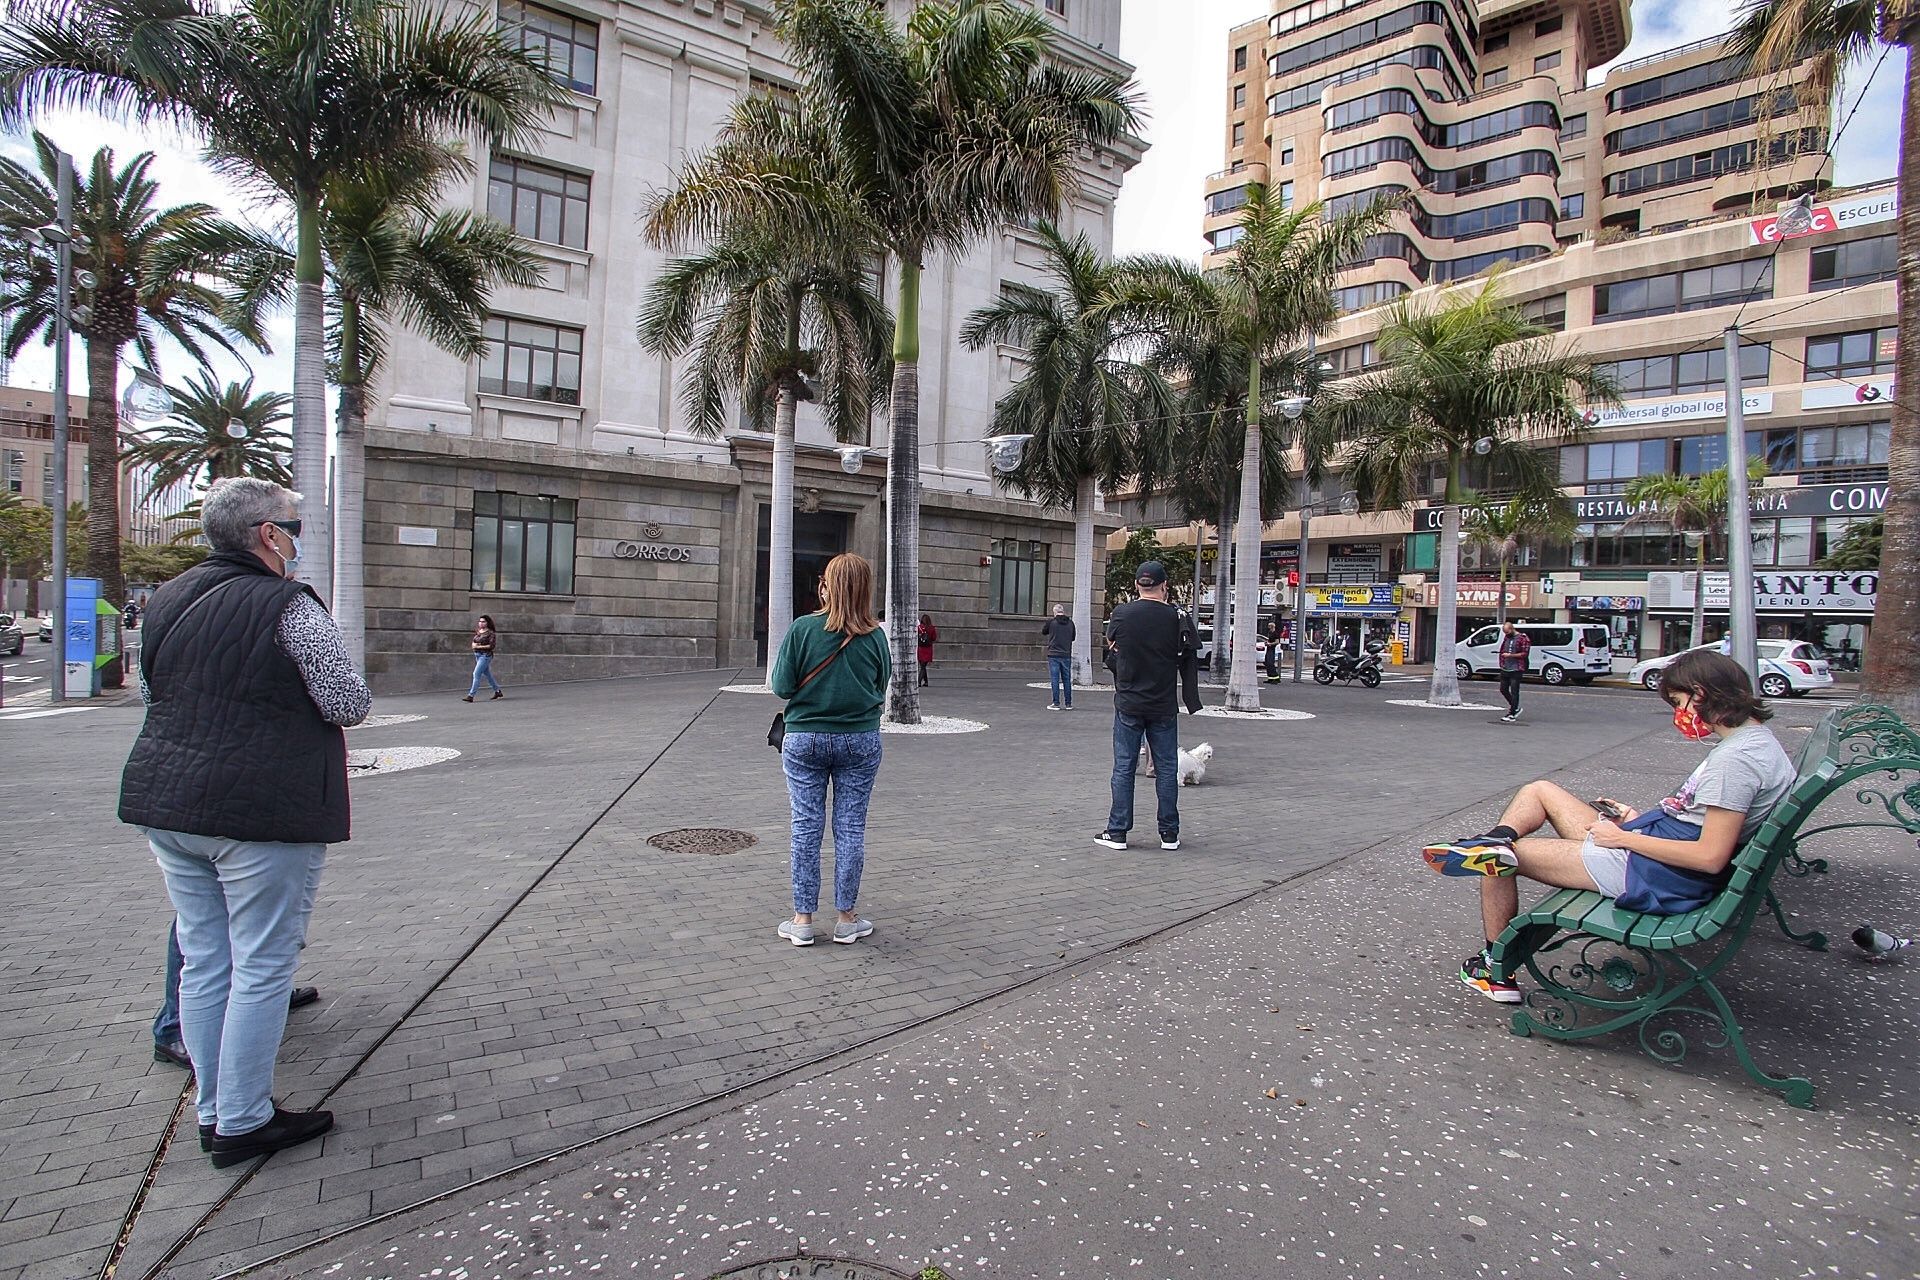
1471 856
1478 974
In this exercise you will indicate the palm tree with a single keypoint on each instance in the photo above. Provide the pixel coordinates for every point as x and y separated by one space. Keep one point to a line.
1695 507
1503 528
1079 397
1464 377
288 96
1275 292
196 445
140 271
763 313
389 255
928 136
1815 40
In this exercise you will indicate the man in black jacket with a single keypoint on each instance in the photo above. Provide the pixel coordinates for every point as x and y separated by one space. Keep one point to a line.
239 782
1152 649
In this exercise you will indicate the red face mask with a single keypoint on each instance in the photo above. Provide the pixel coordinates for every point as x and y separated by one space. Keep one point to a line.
1690 725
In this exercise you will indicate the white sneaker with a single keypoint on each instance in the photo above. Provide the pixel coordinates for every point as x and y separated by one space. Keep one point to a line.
1053 706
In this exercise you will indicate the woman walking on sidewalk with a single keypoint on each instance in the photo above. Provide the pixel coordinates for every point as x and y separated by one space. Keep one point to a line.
928 635
485 638
833 670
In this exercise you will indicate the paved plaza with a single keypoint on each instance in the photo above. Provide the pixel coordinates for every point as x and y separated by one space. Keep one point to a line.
1049 1059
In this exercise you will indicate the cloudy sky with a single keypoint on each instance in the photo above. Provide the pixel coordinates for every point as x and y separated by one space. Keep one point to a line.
1179 49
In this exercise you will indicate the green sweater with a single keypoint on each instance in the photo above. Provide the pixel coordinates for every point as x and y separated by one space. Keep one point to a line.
845 698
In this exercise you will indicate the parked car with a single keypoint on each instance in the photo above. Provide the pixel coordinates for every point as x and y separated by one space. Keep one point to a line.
12 638
1788 668
1561 652
1206 645
46 629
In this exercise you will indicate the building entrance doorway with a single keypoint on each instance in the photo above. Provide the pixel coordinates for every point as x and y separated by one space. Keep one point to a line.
818 536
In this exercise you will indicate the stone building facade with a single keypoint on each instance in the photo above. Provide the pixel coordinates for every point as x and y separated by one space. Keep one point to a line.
662 565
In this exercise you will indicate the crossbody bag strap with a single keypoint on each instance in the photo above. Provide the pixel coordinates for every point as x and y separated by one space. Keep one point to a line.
825 664
149 664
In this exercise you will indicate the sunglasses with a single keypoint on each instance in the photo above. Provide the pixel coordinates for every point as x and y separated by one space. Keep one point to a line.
289 527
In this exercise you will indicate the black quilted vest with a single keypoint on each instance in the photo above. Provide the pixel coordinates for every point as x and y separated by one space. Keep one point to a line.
232 746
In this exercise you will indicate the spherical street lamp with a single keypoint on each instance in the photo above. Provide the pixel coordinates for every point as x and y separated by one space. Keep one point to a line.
146 398
852 459
1004 453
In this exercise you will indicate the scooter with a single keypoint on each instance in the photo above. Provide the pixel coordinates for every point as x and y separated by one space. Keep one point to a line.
1345 668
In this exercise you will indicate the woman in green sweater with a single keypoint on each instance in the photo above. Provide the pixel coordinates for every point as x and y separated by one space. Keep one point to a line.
833 670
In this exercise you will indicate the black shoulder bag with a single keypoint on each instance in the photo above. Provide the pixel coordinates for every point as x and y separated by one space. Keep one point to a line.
777 734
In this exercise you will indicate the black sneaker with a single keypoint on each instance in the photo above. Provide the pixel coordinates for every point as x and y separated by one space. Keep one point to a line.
1478 974
1112 839
1169 841
206 1137
286 1129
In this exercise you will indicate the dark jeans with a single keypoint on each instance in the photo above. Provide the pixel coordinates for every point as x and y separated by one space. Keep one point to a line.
1510 689
1163 743
1060 679
166 1023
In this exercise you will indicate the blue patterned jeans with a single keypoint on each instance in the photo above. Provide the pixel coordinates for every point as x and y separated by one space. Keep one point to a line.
851 761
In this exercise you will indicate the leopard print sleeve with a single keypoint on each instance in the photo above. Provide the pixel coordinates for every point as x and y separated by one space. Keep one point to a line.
309 636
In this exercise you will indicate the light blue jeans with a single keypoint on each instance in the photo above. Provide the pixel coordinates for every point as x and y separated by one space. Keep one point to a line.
1060 680
482 670
242 909
851 761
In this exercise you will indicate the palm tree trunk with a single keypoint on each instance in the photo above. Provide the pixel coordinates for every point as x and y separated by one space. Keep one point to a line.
350 463
1243 681
1892 671
903 500
103 484
780 532
1083 581
1217 659
1700 595
315 567
1445 689
1500 610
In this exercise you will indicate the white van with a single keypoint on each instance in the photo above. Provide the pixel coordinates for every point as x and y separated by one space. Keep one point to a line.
1562 651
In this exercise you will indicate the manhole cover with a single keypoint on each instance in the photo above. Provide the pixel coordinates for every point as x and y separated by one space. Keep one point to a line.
710 840
812 1268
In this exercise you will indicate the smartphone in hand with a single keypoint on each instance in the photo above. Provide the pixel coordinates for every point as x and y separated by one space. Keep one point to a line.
1609 809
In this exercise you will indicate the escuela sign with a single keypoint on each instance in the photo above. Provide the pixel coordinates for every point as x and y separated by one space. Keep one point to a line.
1823 219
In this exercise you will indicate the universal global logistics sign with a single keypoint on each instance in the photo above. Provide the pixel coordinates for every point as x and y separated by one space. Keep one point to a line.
1806 500
1753 404
1822 219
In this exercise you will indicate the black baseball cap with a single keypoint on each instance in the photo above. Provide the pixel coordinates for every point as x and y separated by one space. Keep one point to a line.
1150 573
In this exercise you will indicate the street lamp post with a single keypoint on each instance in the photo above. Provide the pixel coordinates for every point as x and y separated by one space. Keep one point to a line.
62 236
1349 504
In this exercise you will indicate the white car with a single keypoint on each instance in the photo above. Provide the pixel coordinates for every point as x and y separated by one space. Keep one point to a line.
1788 668
1206 645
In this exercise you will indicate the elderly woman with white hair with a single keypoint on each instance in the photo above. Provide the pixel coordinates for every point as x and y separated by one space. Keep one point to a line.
239 782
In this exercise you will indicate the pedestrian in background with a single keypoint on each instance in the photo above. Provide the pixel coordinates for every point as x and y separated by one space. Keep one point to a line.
238 780
927 636
1059 632
833 670
486 638
1153 650
1273 650
1514 647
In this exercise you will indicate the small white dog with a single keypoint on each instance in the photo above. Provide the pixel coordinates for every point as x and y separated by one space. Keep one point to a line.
1193 764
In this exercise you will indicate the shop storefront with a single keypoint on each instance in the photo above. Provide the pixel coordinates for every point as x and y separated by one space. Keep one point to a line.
1358 614
1623 616
1477 603
1830 608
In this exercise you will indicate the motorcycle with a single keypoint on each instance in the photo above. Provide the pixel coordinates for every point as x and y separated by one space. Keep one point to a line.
1344 667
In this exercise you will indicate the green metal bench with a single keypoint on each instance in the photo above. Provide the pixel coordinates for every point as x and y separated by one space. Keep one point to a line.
1601 968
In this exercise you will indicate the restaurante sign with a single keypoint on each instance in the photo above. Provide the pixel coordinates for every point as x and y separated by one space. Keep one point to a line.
1803 500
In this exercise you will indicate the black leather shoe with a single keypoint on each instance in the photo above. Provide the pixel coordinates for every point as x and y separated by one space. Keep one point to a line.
206 1137
174 1053
302 997
286 1129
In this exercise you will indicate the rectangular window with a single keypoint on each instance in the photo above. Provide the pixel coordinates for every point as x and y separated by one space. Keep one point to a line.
532 360
523 543
1727 284
1226 201
16 470
1240 135
1017 580
1286 155
1546 62
1689 372
1678 84
1057 7
1286 195
1495 44
1494 78
1546 26
1860 444
1573 127
1697 455
1864 353
1855 262
1573 206
1549 313
539 202
1239 96
1240 58
570 45
1226 237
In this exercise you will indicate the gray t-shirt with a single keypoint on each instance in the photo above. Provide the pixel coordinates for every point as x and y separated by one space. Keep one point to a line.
1747 771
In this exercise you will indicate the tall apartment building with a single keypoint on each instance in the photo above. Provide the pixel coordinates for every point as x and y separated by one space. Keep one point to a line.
1482 118
553 483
